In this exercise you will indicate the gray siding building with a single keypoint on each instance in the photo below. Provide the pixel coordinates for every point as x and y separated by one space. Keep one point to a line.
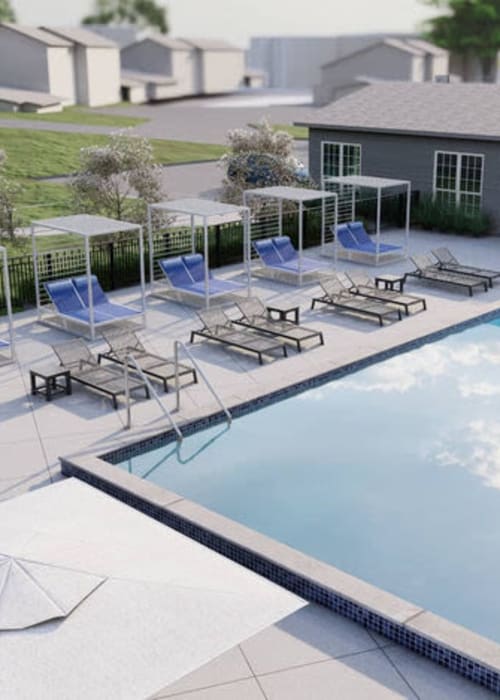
413 60
444 138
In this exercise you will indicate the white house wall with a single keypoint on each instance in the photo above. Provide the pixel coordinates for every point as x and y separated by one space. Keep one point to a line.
103 76
61 73
23 62
222 71
184 68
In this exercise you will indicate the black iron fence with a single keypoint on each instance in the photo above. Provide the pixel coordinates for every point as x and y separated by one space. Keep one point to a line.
116 262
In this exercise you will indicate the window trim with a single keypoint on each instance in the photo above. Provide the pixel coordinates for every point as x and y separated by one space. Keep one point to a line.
458 191
342 145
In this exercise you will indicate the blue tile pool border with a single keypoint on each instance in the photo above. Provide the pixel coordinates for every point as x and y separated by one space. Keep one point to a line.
312 582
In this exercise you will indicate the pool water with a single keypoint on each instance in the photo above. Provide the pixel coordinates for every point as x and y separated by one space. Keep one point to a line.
391 474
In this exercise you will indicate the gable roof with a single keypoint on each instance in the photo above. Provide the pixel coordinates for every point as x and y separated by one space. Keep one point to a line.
456 110
400 44
411 46
81 36
164 40
36 34
211 44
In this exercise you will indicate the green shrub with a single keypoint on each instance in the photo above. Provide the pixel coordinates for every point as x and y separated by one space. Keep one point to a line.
448 218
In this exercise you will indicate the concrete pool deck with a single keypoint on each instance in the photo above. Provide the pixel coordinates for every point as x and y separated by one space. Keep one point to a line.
33 433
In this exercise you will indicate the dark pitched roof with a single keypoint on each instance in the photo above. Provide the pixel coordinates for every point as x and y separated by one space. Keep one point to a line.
457 110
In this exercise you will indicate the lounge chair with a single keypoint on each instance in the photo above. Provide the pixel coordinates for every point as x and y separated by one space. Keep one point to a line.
100 300
447 261
341 299
218 327
186 275
254 315
280 259
69 304
126 343
360 283
427 271
83 365
357 243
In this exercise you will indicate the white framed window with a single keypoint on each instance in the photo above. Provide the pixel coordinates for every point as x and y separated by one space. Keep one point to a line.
338 159
458 179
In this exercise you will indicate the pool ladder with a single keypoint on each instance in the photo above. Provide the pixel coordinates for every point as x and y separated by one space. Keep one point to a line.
178 345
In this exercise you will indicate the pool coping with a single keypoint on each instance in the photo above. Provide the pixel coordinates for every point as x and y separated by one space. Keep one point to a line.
450 645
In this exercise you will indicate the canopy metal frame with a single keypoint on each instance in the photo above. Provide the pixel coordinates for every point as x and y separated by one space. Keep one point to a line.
204 210
379 185
87 227
298 196
9 353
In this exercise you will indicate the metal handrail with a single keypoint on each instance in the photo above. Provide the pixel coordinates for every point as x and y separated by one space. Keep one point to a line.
179 344
153 393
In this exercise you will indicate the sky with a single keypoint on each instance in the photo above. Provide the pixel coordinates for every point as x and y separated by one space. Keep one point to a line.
238 20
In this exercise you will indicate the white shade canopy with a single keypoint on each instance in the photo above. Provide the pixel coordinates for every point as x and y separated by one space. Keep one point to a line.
291 194
86 225
196 206
368 181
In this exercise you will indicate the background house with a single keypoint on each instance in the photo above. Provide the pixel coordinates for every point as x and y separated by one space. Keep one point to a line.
219 66
96 65
413 60
161 55
445 138
294 62
194 66
32 59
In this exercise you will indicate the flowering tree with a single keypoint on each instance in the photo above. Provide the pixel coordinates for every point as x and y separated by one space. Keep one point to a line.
259 157
118 180
9 194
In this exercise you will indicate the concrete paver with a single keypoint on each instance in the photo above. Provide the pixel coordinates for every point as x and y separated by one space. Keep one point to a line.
312 655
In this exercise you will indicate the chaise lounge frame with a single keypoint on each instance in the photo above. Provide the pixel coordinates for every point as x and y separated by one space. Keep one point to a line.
75 356
219 327
447 261
254 315
427 271
124 344
360 283
342 300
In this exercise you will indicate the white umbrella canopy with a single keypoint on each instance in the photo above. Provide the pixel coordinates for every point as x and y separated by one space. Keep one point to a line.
33 592
165 604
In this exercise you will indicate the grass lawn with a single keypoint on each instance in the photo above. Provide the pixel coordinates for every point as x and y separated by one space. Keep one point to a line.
33 154
77 115
299 133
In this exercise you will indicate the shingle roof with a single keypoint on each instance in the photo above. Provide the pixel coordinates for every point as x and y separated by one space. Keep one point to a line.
79 35
455 110
36 34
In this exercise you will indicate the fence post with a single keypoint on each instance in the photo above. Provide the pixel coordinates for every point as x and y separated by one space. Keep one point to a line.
217 245
111 251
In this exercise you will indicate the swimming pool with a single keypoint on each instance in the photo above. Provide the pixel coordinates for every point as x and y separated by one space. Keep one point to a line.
391 474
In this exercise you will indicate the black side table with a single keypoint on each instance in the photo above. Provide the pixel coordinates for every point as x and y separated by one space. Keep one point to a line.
393 282
54 380
283 312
